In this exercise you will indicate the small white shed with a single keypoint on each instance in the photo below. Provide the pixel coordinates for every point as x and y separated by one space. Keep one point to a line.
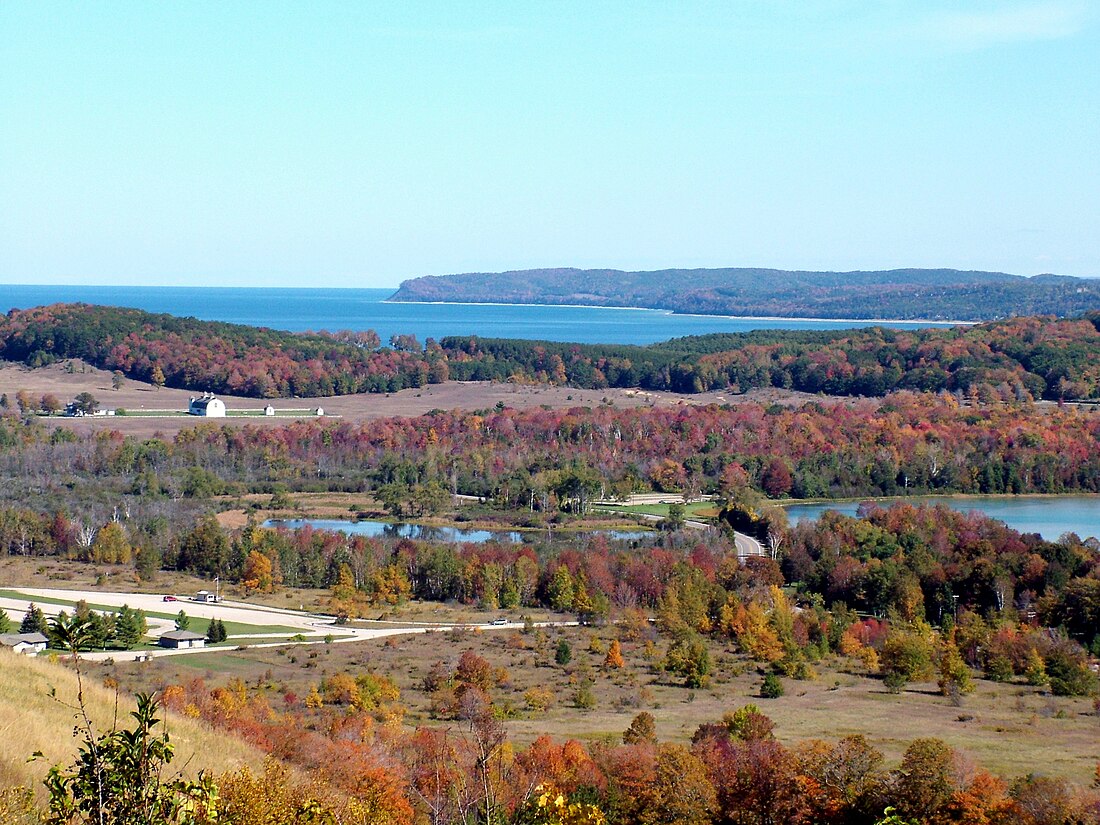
24 642
182 638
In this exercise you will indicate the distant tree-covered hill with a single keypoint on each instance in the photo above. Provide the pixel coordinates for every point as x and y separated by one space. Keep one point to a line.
938 294
1019 358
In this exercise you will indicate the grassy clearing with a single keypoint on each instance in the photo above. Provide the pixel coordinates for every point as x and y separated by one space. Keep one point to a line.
37 697
695 510
238 629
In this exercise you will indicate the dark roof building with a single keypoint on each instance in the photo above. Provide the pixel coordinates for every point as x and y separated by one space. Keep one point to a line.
181 638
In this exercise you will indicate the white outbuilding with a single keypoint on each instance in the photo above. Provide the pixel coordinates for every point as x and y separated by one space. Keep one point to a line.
24 642
181 638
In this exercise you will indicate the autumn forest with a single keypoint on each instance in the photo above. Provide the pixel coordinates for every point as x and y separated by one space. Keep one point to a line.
912 603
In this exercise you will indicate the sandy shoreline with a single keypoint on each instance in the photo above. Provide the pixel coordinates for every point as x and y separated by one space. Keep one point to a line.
872 321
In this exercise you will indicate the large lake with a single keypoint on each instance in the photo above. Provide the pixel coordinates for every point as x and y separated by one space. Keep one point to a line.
423 532
298 310
1049 516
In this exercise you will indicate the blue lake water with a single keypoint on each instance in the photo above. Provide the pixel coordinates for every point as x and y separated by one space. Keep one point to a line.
298 310
400 530
1049 516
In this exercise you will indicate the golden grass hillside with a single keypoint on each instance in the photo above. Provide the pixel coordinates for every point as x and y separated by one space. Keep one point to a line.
37 697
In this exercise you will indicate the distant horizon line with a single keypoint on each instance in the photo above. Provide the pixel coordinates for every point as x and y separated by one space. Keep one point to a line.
189 286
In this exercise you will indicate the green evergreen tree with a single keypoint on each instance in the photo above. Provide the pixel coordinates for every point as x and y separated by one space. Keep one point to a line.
563 655
772 687
101 629
130 626
216 632
182 621
34 620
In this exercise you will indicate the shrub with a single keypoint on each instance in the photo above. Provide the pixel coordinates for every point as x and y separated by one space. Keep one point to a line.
539 699
772 687
118 777
1069 674
895 682
999 668
688 657
584 698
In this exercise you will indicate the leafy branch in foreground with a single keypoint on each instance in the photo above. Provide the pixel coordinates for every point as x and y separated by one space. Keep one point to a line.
118 776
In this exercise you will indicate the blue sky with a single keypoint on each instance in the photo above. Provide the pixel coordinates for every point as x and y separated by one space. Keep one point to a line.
358 144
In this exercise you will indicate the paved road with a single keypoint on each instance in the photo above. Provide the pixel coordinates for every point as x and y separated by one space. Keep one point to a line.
316 628
747 546
650 498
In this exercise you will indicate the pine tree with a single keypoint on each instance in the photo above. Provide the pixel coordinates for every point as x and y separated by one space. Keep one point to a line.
216 632
564 653
34 621
130 626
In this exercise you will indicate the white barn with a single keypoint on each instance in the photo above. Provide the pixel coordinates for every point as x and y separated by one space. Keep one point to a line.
208 406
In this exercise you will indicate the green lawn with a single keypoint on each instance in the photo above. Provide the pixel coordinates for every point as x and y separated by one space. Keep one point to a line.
690 510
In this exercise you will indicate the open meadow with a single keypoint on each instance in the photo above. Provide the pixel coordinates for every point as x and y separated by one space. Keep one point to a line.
142 397
1011 729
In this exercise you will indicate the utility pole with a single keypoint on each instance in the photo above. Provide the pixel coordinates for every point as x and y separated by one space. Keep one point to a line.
217 588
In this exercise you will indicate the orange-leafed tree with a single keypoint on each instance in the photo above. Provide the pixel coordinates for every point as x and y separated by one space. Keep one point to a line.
614 656
257 573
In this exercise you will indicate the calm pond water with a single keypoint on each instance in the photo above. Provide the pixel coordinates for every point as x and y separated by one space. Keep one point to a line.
1049 516
368 527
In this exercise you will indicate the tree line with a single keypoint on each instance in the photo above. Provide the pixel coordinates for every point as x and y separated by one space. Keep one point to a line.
1014 360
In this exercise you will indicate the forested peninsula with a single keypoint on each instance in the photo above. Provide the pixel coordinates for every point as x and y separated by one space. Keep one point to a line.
1019 359
935 294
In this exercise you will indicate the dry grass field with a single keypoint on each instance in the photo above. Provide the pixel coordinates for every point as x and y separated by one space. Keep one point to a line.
37 713
16 571
1011 729
139 396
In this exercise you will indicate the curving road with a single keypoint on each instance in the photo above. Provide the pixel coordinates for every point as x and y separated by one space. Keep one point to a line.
316 628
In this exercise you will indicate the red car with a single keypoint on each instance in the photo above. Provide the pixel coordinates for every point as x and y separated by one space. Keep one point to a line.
170 599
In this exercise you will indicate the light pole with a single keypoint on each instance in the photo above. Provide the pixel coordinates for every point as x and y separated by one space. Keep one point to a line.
217 588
